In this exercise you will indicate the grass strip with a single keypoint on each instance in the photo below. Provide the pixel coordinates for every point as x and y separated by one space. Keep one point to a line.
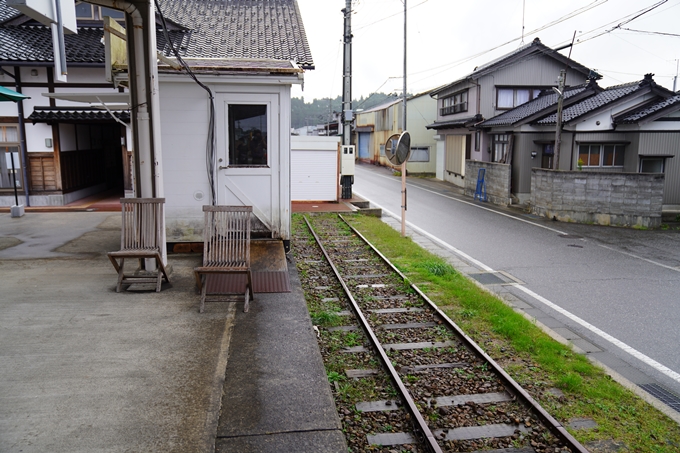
529 355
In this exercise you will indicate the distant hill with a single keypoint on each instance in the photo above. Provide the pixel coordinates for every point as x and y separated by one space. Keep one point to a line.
320 110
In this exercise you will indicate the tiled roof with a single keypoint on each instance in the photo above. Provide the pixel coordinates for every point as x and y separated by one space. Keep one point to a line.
249 29
607 96
648 110
34 43
75 115
544 101
7 13
228 30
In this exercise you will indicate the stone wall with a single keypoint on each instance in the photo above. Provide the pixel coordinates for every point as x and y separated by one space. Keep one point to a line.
620 199
497 180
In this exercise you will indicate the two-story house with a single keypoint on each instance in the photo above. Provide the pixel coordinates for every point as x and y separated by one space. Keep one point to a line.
491 89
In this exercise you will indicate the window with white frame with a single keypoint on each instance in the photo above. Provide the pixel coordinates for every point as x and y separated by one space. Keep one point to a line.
10 164
600 155
508 98
247 135
500 147
419 154
456 103
86 11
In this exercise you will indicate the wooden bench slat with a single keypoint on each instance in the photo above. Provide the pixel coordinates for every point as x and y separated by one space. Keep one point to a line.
141 237
226 246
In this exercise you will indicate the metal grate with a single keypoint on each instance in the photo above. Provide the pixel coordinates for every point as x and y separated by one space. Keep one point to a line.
664 395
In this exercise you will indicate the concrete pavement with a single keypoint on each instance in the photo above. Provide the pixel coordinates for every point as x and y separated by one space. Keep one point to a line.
86 369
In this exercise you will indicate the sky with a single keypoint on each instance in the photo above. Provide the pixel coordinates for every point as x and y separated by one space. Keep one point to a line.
447 39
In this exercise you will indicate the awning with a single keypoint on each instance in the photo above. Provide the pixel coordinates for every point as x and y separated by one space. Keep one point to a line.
53 115
363 129
10 95
467 122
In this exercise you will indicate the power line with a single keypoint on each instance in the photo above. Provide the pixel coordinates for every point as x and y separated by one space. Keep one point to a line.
651 32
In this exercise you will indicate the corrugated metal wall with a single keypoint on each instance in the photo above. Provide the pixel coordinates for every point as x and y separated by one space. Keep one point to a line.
665 143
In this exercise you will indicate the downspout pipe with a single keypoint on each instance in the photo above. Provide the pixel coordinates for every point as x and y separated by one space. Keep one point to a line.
140 101
148 163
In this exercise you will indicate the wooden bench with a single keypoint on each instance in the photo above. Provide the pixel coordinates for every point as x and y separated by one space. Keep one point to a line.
141 237
226 249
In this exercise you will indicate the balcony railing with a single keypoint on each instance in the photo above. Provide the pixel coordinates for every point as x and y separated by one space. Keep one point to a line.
450 110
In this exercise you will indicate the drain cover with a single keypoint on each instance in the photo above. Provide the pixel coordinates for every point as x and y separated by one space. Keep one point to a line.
664 395
487 278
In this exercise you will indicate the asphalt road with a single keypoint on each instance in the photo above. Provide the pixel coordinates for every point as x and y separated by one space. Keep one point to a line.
618 287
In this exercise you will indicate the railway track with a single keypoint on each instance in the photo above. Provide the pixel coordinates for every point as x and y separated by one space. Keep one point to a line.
405 377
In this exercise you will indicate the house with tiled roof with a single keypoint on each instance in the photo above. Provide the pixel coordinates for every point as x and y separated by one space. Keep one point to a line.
245 53
628 128
489 90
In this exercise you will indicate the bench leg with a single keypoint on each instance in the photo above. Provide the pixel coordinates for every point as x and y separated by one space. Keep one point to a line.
159 278
120 274
203 292
246 305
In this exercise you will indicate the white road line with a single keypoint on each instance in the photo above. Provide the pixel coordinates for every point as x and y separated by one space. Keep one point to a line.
630 350
478 206
676 269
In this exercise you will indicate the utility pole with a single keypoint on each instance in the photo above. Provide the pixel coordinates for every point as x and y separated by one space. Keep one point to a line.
403 124
558 130
347 75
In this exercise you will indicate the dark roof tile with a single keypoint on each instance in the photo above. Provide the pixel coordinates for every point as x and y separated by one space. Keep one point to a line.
601 99
227 30
544 101
75 115
644 112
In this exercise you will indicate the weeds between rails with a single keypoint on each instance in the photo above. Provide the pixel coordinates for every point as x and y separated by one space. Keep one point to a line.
464 400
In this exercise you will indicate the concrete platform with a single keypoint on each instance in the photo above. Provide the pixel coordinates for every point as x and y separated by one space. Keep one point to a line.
276 396
84 369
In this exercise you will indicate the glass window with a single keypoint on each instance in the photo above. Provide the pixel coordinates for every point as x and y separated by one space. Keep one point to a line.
114 13
455 103
652 165
601 155
505 98
10 163
522 96
613 156
500 147
84 11
420 154
508 98
247 135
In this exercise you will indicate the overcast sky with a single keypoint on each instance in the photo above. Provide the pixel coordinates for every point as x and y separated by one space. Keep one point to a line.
444 36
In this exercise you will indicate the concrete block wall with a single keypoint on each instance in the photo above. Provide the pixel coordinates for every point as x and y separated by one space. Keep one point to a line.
620 199
497 180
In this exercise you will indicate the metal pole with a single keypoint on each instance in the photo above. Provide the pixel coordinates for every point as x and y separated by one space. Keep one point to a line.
347 74
14 179
22 134
403 124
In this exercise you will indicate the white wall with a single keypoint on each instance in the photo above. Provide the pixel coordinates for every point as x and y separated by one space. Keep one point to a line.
314 168
184 126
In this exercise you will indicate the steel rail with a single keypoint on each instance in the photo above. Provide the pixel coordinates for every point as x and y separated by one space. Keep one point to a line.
431 441
552 424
